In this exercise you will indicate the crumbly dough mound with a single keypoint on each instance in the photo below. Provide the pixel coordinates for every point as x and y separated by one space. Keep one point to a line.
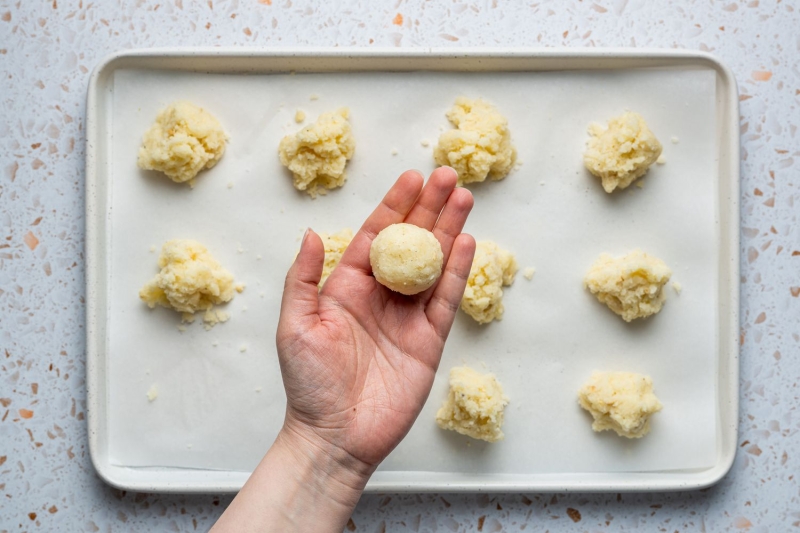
184 140
492 268
620 401
335 245
190 280
406 258
474 405
318 153
621 152
481 144
631 286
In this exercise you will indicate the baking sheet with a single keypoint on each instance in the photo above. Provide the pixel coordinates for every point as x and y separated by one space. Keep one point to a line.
220 408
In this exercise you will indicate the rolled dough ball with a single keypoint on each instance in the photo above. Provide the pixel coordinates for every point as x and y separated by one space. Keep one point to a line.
335 245
184 140
492 268
481 144
317 154
406 258
474 405
631 286
190 280
622 151
620 401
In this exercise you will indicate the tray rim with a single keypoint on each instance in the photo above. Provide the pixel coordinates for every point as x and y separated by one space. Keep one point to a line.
205 481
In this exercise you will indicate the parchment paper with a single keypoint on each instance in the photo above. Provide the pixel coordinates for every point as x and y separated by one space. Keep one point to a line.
220 408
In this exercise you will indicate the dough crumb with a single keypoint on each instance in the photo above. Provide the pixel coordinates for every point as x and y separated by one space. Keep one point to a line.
474 406
190 280
335 244
480 146
528 273
406 258
622 151
631 286
620 401
674 140
313 97
677 287
661 160
239 287
152 248
152 393
640 183
299 116
394 151
425 142
230 185
258 257
184 140
243 348
215 344
492 268
181 328
258 389
212 317
317 154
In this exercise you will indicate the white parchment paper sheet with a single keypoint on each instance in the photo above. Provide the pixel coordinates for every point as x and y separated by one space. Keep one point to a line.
220 407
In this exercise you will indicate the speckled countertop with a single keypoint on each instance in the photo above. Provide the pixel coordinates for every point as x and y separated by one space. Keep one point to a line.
47 50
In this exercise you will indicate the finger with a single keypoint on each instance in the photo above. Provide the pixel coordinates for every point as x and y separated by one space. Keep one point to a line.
431 200
300 294
443 305
452 220
393 209
449 226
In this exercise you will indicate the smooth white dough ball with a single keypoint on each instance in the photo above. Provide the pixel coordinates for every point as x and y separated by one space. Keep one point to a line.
406 258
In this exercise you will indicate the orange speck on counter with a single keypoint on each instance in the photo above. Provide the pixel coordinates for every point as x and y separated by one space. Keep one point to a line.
30 240
795 291
265 2
26 413
398 20
762 75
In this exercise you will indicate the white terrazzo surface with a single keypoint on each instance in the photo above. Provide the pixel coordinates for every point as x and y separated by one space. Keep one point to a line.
47 50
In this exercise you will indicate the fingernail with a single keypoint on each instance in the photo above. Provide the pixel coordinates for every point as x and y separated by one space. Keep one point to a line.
305 234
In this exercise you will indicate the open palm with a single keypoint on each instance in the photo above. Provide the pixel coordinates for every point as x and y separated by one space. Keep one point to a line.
357 359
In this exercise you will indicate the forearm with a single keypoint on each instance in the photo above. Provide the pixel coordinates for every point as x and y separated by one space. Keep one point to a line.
298 486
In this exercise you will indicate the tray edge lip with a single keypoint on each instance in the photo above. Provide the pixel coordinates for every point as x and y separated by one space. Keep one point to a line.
706 478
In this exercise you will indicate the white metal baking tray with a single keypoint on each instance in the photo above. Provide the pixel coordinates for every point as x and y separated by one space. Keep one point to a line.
219 408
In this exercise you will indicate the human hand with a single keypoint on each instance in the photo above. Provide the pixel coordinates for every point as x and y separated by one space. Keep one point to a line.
357 359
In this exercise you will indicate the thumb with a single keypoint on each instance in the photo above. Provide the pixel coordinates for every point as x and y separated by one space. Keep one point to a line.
300 293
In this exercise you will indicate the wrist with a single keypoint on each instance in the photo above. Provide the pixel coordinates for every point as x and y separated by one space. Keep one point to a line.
302 484
326 471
